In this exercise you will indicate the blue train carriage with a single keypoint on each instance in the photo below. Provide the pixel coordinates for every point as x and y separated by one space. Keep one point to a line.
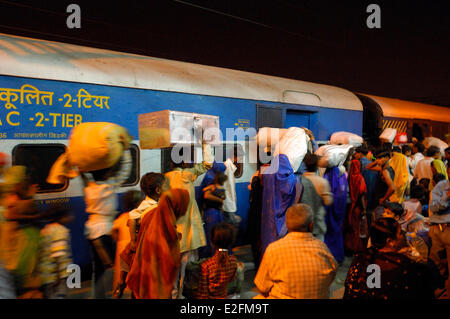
417 120
47 88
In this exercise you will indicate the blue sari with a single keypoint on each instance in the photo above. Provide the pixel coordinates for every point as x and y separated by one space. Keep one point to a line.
278 195
334 237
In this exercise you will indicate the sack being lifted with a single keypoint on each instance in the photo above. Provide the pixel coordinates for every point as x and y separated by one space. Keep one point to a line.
293 144
92 146
388 135
333 155
338 138
434 141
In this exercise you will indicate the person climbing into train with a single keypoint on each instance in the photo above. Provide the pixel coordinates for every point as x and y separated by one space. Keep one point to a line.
190 226
101 205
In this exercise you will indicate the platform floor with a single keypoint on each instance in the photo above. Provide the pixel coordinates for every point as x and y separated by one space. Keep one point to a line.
243 253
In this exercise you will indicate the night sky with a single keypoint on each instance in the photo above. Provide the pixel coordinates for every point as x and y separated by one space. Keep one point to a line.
319 41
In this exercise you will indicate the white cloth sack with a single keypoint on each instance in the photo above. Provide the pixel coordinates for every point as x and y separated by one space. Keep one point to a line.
270 136
388 135
293 144
346 138
333 155
229 204
434 141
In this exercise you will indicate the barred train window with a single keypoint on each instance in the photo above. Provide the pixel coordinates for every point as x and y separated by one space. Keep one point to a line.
227 149
39 158
231 151
135 169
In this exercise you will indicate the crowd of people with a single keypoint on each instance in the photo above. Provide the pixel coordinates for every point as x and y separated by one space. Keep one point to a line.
386 206
389 207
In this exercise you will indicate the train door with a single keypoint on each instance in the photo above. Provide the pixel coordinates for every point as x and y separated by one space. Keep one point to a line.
297 119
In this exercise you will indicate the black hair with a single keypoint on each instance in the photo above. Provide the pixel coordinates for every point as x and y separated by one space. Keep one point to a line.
425 182
382 230
420 147
432 150
387 147
382 153
222 235
311 161
396 208
362 149
438 177
447 150
396 149
220 178
150 181
406 149
131 200
418 192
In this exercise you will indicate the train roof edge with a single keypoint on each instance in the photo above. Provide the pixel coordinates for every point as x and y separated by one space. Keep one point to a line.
410 110
27 57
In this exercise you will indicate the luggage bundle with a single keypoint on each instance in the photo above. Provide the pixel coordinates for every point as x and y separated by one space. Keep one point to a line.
292 142
97 145
339 138
92 146
333 155
388 135
434 141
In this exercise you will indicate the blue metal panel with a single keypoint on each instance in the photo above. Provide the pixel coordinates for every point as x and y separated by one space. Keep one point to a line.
297 119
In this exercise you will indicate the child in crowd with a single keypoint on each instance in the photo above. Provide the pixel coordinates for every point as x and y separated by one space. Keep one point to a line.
213 195
56 254
221 269
121 235
152 185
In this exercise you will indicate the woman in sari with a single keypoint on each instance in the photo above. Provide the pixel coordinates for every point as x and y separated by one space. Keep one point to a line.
356 230
157 259
399 164
334 237
438 167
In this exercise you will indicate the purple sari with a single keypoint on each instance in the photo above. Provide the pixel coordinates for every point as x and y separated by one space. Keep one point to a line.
278 195
334 237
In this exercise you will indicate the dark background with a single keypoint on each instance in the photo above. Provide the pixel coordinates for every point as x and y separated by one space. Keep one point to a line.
312 40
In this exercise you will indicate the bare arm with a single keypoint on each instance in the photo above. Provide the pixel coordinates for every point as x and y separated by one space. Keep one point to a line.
391 187
210 196
374 166
363 202
132 226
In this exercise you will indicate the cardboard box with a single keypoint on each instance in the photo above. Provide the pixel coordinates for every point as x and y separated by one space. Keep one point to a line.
166 128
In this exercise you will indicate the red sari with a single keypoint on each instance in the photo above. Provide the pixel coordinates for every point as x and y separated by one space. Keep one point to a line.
157 259
355 224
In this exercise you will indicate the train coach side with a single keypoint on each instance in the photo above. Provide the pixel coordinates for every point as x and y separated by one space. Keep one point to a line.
47 88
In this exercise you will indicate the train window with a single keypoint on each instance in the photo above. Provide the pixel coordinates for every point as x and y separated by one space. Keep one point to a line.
39 158
135 169
269 116
166 159
231 151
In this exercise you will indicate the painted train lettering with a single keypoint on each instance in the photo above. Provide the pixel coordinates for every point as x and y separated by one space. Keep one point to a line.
40 119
